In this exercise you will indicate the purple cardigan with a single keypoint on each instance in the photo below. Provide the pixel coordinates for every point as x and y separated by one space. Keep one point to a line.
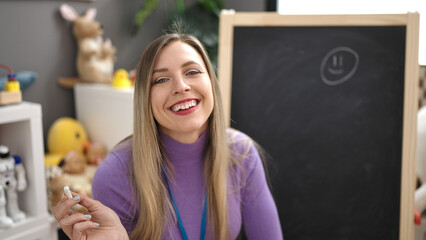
250 202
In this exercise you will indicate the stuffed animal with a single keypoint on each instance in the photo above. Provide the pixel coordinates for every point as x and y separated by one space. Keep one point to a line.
96 153
12 180
65 135
56 182
95 57
69 148
73 163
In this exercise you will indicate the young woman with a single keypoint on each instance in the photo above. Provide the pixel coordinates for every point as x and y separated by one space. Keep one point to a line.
182 174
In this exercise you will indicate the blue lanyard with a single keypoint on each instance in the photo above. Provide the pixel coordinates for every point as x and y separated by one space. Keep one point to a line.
180 223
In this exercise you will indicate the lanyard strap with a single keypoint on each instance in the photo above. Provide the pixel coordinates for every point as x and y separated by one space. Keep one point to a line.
180 223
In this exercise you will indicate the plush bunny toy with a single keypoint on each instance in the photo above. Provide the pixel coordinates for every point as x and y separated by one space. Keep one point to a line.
95 57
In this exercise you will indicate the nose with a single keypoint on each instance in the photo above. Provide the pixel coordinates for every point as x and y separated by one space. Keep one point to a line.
181 86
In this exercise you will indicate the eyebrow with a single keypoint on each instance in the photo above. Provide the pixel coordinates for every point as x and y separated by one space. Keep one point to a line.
183 65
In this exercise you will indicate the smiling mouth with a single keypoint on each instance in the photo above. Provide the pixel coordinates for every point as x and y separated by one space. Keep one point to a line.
184 106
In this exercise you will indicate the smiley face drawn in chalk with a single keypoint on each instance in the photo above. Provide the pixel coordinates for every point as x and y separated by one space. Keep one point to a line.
339 65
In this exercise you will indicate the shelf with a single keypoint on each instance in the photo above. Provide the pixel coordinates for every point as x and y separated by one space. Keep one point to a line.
21 131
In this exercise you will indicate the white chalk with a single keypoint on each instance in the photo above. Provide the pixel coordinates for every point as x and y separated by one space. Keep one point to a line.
77 207
67 191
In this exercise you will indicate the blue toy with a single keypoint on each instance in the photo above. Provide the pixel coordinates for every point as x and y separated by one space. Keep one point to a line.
25 78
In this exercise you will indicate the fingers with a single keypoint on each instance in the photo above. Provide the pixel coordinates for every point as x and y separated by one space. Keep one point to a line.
73 218
63 207
82 228
75 224
90 203
86 201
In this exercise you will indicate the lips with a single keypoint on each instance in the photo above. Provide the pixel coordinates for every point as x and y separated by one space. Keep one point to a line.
184 105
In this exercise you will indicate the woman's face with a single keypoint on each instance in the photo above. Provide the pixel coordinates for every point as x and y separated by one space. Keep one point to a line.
181 92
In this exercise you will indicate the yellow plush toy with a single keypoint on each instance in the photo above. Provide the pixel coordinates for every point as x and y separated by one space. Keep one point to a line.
65 135
69 148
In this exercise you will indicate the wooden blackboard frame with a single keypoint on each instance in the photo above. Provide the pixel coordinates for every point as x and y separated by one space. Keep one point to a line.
230 19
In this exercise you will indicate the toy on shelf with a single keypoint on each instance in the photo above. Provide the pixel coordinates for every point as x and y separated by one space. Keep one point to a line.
95 57
73 163
55 182
12 93
25 79
96 153
70 151
121 79
65 135
12 180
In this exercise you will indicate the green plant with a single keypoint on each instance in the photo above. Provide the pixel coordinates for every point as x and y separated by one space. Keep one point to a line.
147 8
200 19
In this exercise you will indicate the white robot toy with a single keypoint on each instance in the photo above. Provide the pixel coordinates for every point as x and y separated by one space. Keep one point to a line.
12 179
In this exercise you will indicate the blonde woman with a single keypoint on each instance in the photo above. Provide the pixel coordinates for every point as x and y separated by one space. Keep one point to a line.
182 174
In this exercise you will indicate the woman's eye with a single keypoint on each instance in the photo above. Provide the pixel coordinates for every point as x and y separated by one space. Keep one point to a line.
160 80
193 72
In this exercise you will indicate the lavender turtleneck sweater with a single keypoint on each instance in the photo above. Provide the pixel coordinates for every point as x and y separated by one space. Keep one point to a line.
250 203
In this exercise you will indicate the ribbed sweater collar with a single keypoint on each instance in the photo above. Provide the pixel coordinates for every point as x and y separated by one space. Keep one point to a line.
182 154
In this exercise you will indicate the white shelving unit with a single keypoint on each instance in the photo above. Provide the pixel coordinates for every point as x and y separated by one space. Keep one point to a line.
21 131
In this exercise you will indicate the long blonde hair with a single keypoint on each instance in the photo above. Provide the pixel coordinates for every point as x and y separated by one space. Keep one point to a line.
149 157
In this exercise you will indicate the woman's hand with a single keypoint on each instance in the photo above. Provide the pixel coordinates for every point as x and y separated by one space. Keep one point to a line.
100 222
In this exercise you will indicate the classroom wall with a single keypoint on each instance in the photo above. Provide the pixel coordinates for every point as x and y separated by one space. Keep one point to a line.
34 37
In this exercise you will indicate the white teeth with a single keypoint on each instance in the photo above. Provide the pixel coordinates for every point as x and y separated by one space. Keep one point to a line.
184 106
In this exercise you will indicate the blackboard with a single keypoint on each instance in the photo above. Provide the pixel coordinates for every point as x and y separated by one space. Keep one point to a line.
329 105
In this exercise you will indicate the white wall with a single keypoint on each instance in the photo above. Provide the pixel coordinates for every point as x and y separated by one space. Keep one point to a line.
360 7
